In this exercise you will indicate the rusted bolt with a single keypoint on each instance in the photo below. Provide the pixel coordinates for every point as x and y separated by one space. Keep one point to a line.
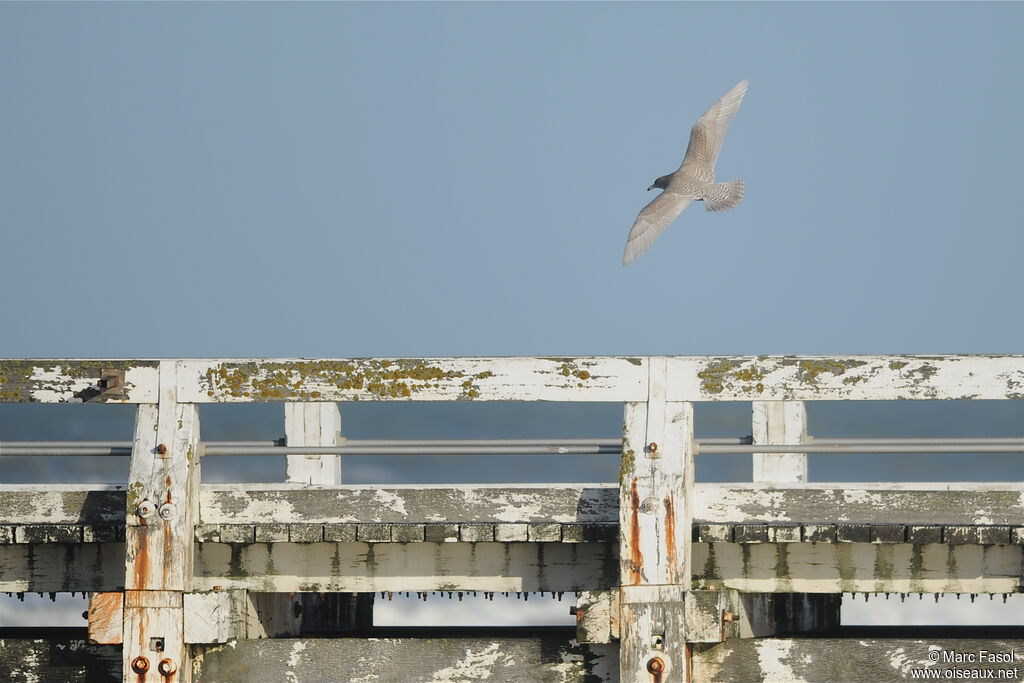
656 665
649 505
730 616
146 509
140 665
218 588
161 449
652 447
166 511
166 667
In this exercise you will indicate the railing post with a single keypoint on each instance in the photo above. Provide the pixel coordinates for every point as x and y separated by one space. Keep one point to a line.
779 422
655 534
162 501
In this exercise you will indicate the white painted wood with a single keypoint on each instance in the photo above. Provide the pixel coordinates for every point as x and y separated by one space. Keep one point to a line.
406 379
776 423
75 380
810 378
62 567
313 424
293 503
153 634
216 616
855 567
861 503
369 567
62 503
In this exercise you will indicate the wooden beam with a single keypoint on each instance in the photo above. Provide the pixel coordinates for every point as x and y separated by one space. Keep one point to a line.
409 379
59 656
854 659
78 381
832 378
553 658
779 422
374 567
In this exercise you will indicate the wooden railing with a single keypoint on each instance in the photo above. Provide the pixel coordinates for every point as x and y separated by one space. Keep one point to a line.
674 577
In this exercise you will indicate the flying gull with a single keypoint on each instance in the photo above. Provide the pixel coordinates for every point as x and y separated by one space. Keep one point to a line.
693 180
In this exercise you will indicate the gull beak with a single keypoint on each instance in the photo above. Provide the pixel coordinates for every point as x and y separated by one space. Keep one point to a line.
650 188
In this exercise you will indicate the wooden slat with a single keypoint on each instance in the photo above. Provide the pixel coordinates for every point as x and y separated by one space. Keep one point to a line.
928 503
408 379
76 381
830 378
285 503
539 659
370 567
854 660
858 567
58 658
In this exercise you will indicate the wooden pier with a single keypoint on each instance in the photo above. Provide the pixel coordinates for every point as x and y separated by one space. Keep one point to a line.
677 580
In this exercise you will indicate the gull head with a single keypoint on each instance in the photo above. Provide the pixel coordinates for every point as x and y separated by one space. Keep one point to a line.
661 183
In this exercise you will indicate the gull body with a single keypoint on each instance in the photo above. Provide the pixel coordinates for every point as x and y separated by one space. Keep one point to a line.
694 180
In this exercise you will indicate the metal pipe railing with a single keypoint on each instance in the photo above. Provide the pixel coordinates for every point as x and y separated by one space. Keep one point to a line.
738 445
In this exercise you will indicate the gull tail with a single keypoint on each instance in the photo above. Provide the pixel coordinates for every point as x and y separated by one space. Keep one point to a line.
724 196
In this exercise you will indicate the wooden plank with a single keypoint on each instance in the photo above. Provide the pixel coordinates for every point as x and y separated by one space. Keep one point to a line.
548 658
290 503
924 503
375 567
62 568
216 616
779 422
856 660
312 424
593 613
858 567
58 658
62 504
153 645
413 379
76 381
833 378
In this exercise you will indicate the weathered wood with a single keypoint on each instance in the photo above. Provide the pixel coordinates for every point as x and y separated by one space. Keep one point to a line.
594 616
62 504
62 567
374 567
428 379
830 378
705 615
58 658
656 487
757 615
106 618
289 503
825 660
779 422
860 503
77 381
858 567
153 639
548 658
216 616
312 424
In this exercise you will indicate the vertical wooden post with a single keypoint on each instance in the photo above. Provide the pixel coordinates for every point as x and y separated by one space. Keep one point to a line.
655 534
313 424
162 503
779 422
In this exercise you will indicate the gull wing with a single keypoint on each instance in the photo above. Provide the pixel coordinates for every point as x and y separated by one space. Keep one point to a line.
651 222
708 134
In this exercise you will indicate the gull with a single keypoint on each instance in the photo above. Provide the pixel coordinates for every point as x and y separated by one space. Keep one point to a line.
693 180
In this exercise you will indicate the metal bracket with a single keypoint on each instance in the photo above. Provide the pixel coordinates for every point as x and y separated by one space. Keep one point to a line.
111 383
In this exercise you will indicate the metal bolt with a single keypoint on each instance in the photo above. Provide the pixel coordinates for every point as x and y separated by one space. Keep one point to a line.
140 665
161 449
656 665
166 667
146 509
652 447
649 505
730 616
166 511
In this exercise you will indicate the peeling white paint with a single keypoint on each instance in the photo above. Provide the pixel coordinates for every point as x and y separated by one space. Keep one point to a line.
475 666
773 661
295 660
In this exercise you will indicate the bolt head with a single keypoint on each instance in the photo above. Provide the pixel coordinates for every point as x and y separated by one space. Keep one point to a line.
146 509
656 665
140 665
167 511
166 667
652 447
649 505
161 449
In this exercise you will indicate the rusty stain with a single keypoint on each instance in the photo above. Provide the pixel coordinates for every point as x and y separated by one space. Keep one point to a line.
141 564
167 667
670 538
140 665
636 558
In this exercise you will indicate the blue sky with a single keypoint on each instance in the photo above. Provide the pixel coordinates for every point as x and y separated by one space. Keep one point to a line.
458 179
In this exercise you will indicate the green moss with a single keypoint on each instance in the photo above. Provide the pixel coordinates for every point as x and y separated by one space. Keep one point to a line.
627 464
714 377
897 364
810 370
19 379
723 374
